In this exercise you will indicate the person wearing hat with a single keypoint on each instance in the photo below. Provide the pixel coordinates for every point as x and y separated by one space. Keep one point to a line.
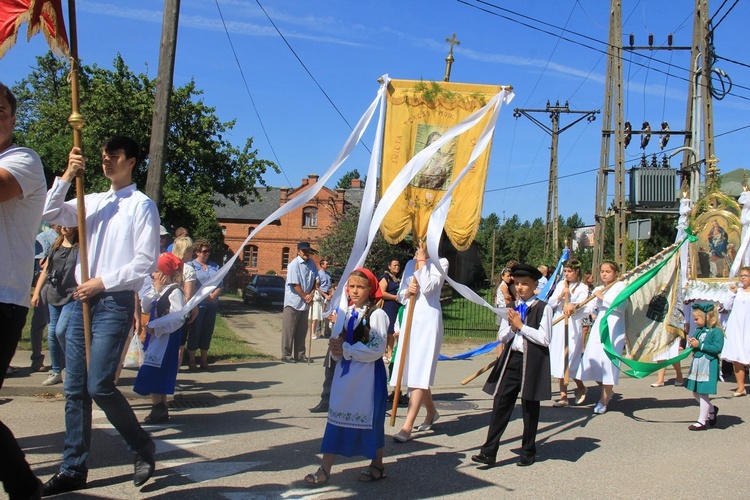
707 342
301 276
524 367
158 374
163 235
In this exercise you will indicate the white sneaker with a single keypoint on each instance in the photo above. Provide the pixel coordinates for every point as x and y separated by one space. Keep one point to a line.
600 409
52 379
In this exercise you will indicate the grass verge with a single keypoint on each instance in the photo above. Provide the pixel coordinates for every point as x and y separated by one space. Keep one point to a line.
225 344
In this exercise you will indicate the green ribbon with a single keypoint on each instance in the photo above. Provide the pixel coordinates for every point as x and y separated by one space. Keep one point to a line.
639 369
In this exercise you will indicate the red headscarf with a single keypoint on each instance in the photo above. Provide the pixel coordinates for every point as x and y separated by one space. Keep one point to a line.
375 292
169 263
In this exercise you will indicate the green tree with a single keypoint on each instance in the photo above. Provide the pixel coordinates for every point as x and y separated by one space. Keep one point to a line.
199 160
338 241
345 182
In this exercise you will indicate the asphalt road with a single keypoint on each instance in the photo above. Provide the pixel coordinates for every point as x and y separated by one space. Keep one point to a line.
243 432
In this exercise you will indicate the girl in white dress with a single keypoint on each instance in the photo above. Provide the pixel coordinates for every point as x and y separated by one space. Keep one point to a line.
595 365
423 281
564 300
737 342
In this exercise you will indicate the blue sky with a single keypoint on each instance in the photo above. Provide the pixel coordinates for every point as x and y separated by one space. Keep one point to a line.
347 45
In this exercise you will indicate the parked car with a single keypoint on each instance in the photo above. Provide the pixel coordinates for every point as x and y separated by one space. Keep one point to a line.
265 289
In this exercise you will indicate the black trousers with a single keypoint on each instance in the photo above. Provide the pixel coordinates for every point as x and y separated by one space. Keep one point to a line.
505 401
15 473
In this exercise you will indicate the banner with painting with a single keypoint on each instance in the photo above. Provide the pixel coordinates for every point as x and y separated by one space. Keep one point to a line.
583 238
417 114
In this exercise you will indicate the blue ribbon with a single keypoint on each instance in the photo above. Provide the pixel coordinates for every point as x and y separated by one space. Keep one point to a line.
549 287
522 308
349 340
470 354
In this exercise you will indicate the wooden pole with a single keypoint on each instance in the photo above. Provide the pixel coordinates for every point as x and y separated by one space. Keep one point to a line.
403 346
76 122
478 373
160 122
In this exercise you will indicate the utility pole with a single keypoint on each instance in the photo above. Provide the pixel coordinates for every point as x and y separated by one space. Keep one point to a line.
551 230
160 123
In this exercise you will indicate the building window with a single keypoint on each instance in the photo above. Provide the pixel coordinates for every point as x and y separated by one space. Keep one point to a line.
284 257
250 230
250 256
310 217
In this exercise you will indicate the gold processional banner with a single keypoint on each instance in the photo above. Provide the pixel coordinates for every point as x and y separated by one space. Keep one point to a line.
417 113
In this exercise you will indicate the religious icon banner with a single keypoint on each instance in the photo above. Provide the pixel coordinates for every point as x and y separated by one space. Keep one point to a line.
417 114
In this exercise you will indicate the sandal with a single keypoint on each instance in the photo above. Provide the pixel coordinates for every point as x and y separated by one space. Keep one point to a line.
368 477
315 478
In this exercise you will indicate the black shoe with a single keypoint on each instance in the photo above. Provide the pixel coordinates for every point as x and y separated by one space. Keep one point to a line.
483 459
391 396
159 413
144 464
288 360
61 483
321 408
304 359
712 421
403 400
526 460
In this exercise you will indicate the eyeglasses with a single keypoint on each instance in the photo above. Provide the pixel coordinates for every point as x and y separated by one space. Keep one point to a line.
205 251
744 275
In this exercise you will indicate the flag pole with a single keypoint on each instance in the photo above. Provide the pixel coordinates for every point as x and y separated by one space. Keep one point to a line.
76 122
403 346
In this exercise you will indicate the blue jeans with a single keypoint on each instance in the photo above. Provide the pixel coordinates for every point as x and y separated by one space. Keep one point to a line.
58 323
203 327
111 317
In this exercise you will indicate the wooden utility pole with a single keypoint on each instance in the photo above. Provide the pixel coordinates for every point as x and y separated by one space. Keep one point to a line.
551 232
160 123
612 106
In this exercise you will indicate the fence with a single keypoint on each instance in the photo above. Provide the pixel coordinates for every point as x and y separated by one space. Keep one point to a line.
465 319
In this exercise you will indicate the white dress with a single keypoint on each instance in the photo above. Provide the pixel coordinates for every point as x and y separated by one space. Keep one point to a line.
595 365
578 293
426 334
737 341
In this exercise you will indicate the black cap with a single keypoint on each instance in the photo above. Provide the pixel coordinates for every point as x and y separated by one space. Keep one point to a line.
520 270
304 245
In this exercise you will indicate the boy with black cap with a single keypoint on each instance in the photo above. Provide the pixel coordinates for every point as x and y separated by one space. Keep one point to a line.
522 368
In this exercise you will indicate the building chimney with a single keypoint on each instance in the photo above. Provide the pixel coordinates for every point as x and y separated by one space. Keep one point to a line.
356 184
313 178
284 195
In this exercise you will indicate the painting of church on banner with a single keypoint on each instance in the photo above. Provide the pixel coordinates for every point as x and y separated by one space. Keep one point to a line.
418 114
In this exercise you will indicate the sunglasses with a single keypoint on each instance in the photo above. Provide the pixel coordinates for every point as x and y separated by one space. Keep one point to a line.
204 251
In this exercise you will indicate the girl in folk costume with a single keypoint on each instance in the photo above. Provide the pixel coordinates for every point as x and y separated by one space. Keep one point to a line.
422 281
158 374
356 415
707 342
595 365
564 301
737 347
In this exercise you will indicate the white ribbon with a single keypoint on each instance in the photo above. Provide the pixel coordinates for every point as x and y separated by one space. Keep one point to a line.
402 180
682 224
440 214
211 284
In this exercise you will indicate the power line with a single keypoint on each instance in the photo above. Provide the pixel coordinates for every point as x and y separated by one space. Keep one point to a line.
576 42
725 15
247 88
308 71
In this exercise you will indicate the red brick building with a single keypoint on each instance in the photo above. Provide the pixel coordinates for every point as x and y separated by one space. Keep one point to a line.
276 244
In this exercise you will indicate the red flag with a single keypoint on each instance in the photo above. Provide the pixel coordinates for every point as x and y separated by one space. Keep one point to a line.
42 15
47 17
